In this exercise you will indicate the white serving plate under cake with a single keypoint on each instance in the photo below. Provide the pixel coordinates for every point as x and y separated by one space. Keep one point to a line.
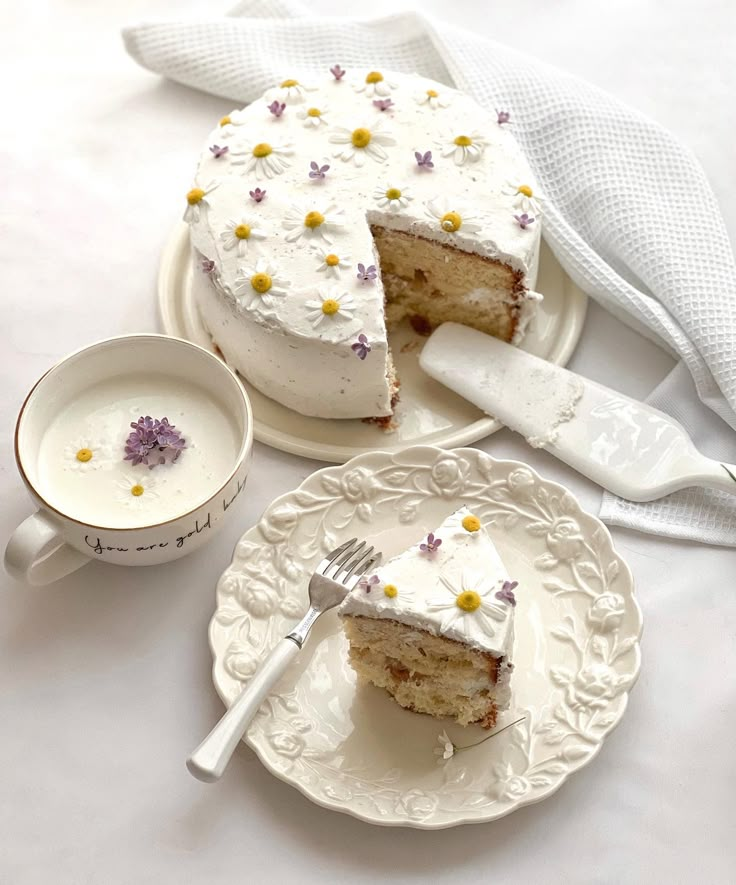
428 413
352 749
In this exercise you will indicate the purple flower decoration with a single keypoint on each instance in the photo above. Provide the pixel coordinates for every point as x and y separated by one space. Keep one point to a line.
277 108
337 72
361 347
367 274
502 117
207 265
431 544
218 151
524 220
506 593
317 171
153 442
257 195
424 161
383 104
368 584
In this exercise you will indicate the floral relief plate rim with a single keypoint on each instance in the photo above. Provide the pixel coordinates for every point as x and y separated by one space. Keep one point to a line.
570 701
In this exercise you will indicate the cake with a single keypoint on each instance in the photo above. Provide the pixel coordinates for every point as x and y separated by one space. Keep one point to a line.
435 625
341 204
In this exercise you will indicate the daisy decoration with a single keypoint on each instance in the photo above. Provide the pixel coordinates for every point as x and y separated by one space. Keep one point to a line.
464 148
197 199
524 196
450 218
332 306
312 223
239 232
259 285
467 604
375 85
362 141
393 198
313 117
264 158
331 263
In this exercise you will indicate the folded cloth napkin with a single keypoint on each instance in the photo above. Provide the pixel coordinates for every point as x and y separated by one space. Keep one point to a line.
627 209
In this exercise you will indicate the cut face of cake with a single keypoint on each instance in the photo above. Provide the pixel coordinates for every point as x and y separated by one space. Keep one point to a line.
435 625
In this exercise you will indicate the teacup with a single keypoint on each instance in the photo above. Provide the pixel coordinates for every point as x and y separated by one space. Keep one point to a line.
116 489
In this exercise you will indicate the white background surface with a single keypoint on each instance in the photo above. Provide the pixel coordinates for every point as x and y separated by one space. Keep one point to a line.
104 677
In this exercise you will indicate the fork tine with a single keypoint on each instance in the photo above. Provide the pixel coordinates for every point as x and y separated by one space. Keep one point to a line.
352 566
365 567
337 565
331 557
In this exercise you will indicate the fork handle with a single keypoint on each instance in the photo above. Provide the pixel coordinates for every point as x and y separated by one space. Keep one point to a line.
209 760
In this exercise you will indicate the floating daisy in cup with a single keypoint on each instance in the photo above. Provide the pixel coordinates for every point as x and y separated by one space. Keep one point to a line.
393 198
451 218
433 98
239 232
292 91
197 200
259 285
86 453
331 263
332 306
375 85
136 490
355 144
464 147
267 158
525 197
315 116
467 605
312 222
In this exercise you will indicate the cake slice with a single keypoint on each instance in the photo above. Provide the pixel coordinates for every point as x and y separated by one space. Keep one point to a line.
434 626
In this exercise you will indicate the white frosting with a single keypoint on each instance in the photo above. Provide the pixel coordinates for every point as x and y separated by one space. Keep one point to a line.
427 584
283 343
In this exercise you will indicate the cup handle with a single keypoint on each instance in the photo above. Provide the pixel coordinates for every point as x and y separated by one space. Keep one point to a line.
37 554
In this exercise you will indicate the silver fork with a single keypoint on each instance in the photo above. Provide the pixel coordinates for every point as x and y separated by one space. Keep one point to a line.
333 579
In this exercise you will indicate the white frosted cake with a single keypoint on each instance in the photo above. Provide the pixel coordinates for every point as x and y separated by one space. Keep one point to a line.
343 202
435 625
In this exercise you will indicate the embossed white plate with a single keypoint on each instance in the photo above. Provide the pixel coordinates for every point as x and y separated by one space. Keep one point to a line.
350 747
428 412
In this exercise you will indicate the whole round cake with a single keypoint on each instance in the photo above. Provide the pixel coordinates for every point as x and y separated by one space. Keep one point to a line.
339 205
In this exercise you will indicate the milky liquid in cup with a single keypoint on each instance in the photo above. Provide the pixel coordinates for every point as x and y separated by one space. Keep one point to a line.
106 490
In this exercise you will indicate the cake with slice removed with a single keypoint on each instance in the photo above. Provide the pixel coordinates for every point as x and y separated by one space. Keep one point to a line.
434 626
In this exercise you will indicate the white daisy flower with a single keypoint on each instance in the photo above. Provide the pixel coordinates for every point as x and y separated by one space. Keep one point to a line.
467 604
331 263
314 117
197 199
265 158
291 91
525 198
451 218
446 749
136 490
311 223
239 232
375 85
259 285
356 144
393 198
87 453
465 523
230 122
463 148
333 305
433 98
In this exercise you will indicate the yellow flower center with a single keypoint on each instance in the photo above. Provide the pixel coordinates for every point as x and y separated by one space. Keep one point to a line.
468 600
332 260
262 150
313 219
390 590
330 306
393 193
84 455
525 189
195 195
451 222
242 231
137 490
374 77
361 137
261 282
463 141
225 120
314 112
471 523
432 93
289 84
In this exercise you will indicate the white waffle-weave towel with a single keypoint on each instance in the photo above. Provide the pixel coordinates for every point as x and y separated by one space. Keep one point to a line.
628 210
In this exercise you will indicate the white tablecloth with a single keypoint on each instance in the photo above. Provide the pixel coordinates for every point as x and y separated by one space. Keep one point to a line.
104 677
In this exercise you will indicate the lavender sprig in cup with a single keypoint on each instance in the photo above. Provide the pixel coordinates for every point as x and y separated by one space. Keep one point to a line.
153 441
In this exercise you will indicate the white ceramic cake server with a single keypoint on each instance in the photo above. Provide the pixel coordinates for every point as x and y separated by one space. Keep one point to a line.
628 447
335 577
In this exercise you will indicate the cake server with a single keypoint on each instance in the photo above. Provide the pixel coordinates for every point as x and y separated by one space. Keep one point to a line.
628 447
334 578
